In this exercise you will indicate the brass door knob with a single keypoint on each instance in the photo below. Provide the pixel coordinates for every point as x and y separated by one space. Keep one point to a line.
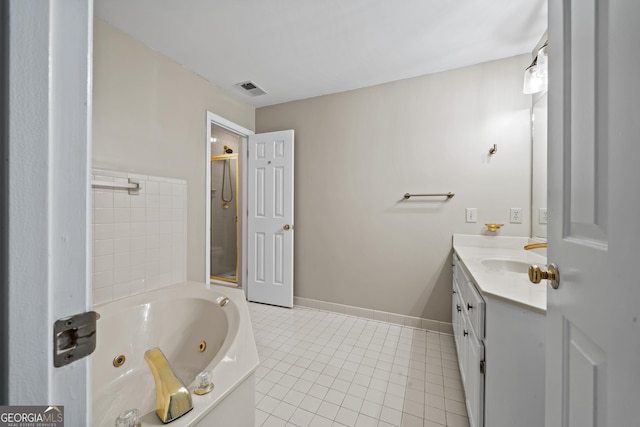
286 227
536 275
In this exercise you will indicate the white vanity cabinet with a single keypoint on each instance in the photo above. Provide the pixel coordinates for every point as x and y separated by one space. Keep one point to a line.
501 354
468 328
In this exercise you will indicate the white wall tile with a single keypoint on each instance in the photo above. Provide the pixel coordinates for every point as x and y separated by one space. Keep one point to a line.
165 189
102 279
103 216
121 290
102 263
121 260
102 295
164 214
121 199
152 188
178 189
138 243
102 231
153 254
138 229
139 240
121 245
152 228
138 258
103 199
153 201
121 230
121 215
165 201
138 272
165 227
103 247
121 275
153 241
100 177
136 286
139 201
138 214
176 201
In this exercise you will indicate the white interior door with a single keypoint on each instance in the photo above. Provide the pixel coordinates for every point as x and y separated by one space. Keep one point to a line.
593 318
270 218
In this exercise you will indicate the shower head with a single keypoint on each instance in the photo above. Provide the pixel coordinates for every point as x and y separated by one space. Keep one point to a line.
228 149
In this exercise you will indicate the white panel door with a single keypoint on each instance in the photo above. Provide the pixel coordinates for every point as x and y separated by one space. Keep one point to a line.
270 218
593 317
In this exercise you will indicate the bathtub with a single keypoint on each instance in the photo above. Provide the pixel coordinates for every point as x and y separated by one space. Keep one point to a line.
176 319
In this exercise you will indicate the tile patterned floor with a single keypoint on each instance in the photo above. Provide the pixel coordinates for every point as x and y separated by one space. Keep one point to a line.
327 369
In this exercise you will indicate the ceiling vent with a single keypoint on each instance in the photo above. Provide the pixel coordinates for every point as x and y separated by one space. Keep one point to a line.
251 88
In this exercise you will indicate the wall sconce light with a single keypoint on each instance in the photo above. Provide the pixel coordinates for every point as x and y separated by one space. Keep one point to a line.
543 61
535 76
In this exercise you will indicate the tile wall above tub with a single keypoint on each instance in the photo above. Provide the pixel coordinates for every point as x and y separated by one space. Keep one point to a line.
139 240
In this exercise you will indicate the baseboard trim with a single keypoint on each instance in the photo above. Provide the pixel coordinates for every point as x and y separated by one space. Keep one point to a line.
383 316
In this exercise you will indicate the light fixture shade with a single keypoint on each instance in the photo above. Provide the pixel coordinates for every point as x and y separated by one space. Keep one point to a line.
543 61
532 82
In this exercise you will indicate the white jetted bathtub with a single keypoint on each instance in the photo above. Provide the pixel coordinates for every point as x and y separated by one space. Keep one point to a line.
177 319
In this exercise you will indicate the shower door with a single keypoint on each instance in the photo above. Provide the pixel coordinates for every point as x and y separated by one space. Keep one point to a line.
224 218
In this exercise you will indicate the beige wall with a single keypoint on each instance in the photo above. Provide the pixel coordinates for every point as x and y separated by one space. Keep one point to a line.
357 243
149 117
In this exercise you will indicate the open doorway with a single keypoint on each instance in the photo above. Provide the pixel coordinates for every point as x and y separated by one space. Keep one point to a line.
226 202
225 206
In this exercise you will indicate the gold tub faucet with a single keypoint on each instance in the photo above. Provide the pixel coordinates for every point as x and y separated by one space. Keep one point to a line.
173 399
535 246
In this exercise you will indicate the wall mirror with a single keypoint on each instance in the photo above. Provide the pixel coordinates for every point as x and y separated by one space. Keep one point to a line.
539 167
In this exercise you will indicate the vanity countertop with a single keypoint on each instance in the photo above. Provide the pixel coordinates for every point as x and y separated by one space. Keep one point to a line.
485 258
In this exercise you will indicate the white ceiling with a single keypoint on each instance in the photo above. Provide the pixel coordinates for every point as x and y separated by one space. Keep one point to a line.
297 49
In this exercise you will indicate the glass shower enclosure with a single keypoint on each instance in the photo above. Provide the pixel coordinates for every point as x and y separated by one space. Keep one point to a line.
224 217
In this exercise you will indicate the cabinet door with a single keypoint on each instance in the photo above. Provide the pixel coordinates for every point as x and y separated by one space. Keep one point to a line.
463 350
461 329
474 387
456 313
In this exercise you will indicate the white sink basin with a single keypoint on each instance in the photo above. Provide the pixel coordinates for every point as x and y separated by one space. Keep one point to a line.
506 265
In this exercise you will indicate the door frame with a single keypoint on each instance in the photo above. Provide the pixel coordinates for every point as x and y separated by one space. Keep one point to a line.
214 119
46 248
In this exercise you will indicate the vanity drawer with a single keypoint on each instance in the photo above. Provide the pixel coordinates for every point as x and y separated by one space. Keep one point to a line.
458 271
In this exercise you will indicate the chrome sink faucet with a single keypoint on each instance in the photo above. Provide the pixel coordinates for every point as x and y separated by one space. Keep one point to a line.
173 399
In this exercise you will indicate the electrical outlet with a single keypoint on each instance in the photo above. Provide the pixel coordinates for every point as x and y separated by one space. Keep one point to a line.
516 216
542 215
472 214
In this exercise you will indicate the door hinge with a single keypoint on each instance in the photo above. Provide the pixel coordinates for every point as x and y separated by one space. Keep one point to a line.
74 338
482 367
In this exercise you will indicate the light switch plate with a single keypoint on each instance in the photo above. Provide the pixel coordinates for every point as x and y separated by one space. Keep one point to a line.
472 214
